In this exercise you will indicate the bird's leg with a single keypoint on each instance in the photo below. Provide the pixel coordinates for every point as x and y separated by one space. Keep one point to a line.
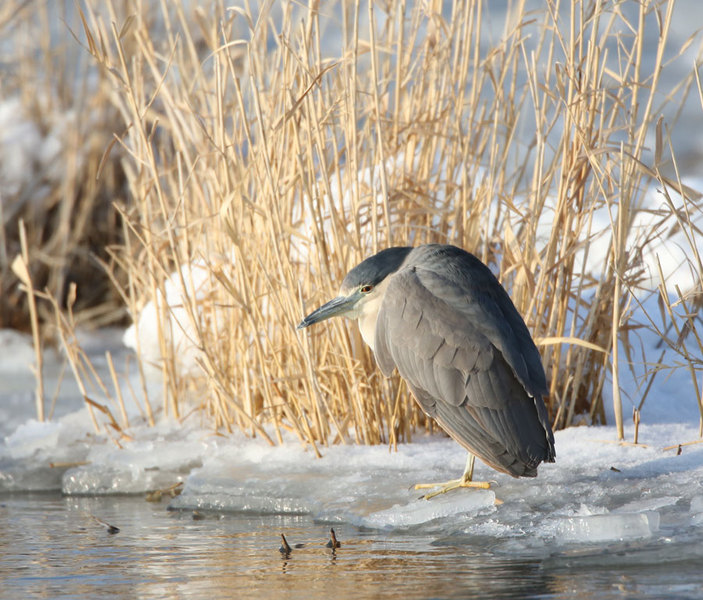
464 481
469 469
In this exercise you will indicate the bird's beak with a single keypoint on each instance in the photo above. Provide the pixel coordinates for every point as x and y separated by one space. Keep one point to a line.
335 307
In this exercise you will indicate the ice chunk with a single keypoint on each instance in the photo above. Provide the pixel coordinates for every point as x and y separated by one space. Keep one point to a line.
35 455
244 496
609 527
644 504
422 511
31 437
100 480
158 462
23 476
697 504
697 510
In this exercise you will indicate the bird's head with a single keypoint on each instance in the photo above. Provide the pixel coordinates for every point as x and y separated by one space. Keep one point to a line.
361 286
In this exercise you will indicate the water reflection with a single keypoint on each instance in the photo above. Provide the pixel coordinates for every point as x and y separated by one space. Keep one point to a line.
54 547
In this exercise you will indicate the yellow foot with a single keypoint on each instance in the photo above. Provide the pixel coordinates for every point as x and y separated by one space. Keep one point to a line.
448 486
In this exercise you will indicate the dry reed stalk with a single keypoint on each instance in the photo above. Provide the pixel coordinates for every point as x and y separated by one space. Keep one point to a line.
118 390
20 267
72 349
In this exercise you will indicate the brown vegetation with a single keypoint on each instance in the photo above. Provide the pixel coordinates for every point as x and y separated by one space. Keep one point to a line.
276 163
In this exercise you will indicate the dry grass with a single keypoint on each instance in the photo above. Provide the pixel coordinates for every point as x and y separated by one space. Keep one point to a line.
279 162
55 121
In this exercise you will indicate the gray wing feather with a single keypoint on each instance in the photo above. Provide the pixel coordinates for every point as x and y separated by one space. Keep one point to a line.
457 346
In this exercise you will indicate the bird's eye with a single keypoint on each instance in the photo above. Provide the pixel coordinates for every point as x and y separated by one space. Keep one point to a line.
365 289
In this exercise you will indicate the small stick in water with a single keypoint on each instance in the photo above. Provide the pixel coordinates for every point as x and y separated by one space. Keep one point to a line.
285 548
111 529
333 543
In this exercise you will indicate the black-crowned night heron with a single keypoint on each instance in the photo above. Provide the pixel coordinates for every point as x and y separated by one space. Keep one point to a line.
438 315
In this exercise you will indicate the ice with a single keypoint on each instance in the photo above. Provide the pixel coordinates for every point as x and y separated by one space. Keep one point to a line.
579 500
367 487
35 455
154 462
648 504
32 437
423 512
608 528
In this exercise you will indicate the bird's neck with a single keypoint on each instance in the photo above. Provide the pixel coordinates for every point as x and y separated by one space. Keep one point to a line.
367 327
368 314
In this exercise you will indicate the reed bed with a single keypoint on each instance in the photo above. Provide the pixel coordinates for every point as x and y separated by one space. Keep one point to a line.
267 150
55 122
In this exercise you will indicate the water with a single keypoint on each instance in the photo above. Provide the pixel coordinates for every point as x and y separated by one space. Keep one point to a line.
53 548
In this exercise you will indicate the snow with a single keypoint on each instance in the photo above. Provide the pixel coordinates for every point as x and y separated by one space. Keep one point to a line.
32 163
20 146
179 330
656 228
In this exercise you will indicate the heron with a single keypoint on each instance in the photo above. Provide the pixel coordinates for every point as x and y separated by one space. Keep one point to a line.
439 316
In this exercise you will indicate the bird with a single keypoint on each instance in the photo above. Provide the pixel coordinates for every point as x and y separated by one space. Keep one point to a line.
438 315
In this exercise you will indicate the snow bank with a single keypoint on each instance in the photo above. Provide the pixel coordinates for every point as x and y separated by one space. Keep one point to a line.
179 329
656 227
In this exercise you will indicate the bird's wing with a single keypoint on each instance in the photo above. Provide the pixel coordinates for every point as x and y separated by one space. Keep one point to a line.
454 340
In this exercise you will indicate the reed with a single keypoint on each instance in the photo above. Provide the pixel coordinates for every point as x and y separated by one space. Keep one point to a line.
263 158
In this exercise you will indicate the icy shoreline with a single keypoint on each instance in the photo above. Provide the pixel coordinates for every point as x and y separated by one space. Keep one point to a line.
598 492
